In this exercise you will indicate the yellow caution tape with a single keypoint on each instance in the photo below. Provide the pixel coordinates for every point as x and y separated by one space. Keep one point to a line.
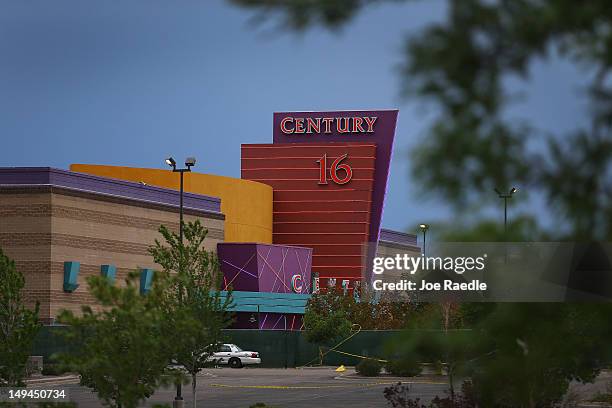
360 356
345 353
302 387
313 387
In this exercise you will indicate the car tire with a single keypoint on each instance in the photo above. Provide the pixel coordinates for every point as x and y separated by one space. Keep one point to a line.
235 362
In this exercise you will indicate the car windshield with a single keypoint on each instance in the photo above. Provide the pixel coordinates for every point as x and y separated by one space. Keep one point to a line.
237 348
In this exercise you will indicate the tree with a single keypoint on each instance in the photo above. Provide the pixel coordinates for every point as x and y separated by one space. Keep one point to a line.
533 351
18 325
198 309
461 66
122 350
438 334
325 319
517 354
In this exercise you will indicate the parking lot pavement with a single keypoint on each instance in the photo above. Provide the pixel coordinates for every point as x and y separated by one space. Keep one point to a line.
294 388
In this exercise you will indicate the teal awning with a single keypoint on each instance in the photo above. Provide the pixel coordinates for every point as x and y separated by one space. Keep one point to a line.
266 302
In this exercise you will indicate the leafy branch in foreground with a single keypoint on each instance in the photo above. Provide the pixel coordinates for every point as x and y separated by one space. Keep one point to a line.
122 350
462 64
326 320
198 308
18 325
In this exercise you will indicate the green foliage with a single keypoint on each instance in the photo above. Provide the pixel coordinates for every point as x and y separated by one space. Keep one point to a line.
197 310
398 396
18 325
386 313
603 398
455 347
520 229
124 347
368 368
436 316
326 319
123 350
53 369
299 14
519 354
461 65
539 349
404 367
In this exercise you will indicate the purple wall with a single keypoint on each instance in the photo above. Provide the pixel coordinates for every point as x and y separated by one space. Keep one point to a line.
253 267
264 268
269 321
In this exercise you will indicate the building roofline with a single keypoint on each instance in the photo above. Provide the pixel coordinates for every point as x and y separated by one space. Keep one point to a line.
25 177
397 237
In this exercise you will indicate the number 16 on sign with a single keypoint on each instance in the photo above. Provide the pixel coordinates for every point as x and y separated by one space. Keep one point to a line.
334 170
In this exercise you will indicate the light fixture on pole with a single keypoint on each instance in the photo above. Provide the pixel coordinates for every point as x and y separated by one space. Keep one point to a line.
170 162
189 163
506 196
424 228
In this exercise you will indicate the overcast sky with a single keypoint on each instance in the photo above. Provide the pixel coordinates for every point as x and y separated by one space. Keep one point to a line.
130 82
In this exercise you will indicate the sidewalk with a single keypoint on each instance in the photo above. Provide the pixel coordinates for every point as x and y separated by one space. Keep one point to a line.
50 380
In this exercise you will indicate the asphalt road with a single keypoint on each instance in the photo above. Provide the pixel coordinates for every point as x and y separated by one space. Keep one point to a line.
294 388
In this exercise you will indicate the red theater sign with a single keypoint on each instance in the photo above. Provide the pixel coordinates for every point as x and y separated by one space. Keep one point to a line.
344 124
329 173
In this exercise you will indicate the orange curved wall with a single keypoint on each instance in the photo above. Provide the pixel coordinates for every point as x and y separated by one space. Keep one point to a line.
247 205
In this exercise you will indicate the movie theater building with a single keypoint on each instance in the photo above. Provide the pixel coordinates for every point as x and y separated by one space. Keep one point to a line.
303 214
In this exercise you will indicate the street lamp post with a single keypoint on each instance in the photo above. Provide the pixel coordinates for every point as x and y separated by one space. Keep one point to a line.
189 163
424 228
506 196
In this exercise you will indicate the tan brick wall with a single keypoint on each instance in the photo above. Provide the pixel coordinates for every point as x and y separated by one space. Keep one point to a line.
21 217
41 231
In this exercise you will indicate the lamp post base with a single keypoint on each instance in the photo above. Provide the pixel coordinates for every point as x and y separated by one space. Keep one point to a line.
178 403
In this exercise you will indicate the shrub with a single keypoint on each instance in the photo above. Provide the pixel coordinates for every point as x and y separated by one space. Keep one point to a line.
368 368
54 369
404 367
398 396
605 397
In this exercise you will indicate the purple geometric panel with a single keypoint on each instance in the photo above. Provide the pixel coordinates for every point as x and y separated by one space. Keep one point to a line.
265 268
278 321
239 266
268 321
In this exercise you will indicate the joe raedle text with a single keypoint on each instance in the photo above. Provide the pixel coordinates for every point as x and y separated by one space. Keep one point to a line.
446 285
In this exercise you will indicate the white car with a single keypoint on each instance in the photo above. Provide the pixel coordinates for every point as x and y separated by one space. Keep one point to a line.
234 356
